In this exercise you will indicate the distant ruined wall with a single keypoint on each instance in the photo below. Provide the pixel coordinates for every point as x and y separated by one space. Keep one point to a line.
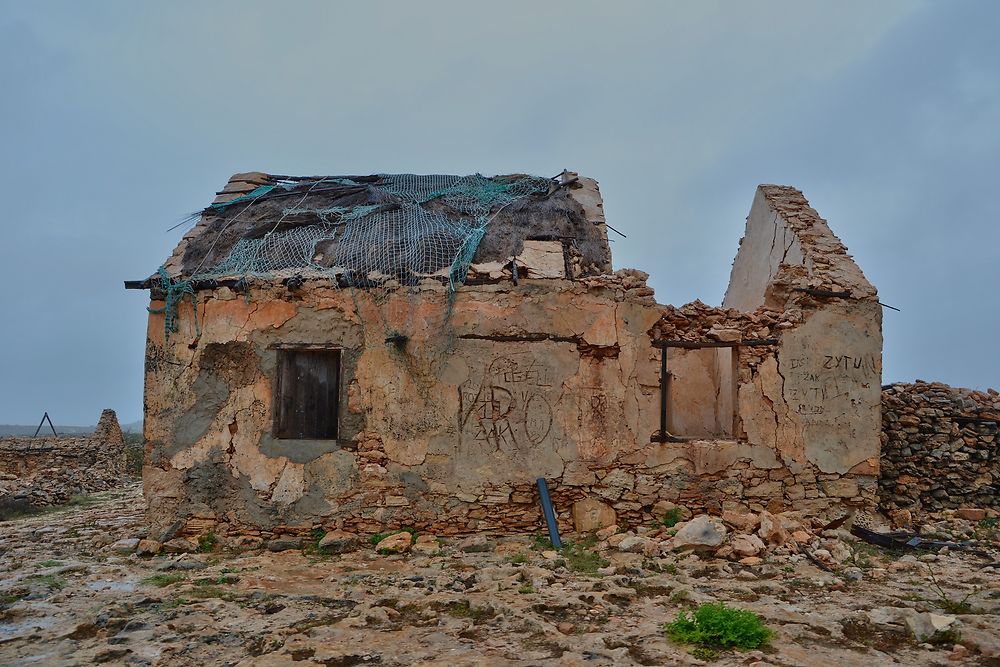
939 447
50 470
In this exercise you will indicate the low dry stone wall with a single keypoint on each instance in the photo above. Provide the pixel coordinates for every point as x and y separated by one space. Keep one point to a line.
939 447
43 471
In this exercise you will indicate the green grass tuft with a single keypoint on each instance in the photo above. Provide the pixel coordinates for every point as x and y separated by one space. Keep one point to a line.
48 580
208 542
717 626
162 579
579 557
672 517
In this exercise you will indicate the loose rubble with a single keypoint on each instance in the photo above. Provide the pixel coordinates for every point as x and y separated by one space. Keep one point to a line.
85 585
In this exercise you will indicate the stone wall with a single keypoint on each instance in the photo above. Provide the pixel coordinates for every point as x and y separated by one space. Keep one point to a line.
50 470
446 427
939 447
549 378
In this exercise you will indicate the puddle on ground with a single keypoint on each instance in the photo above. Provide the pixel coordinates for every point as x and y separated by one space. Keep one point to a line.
102 585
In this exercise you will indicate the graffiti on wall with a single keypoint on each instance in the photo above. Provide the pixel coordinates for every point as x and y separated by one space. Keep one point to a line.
819 386
511 407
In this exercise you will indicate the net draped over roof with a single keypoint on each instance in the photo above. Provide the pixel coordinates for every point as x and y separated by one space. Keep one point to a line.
391 227
384 230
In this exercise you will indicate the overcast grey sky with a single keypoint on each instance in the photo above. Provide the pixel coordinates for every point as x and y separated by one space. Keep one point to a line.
118 118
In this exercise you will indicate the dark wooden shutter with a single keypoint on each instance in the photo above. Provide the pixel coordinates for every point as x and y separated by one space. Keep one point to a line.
307 395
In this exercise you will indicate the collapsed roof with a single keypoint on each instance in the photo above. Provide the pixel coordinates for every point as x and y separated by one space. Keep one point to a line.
385 228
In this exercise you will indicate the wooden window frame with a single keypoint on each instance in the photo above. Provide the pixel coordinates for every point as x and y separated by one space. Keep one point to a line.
296 407
663 435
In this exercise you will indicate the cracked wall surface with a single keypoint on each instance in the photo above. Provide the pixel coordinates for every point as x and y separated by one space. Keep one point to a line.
448 426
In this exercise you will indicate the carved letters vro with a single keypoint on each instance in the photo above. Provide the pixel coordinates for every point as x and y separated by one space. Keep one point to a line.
509 408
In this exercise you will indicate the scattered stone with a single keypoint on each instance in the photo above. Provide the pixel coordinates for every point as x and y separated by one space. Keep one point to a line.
633 544
801 537
925 625
591 515
971 513
125 545
476 544
745 522
747 545
148 547
338 542
179 545
701 531
958 653
771 530
397 543
616 539
285 544
901 518
109 654
604 533
427 544
985 641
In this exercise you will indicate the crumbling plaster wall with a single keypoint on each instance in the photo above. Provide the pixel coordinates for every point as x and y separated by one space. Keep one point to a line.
823 385
549 378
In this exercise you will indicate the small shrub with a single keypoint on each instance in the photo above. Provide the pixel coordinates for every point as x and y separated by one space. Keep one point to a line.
310 547
50 563
540 543
717 626
580 558
672 517
526 588
133 454
216 581
680 596
9 597
517 559
945 601
208 542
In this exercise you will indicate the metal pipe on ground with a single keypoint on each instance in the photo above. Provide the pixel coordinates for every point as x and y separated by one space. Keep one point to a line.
550 515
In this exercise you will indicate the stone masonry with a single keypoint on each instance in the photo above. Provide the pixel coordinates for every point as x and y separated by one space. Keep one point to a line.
939 447
50 470
773 398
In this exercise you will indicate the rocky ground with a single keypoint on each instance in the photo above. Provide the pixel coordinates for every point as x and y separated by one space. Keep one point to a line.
75 592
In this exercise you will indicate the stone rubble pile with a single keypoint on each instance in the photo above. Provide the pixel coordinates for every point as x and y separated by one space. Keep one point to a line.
36 472
939 447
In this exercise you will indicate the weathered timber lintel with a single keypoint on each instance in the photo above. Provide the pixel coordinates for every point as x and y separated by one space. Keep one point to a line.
846 294
696 345
524 338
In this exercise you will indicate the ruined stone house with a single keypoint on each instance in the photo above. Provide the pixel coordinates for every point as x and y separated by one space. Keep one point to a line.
386 351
